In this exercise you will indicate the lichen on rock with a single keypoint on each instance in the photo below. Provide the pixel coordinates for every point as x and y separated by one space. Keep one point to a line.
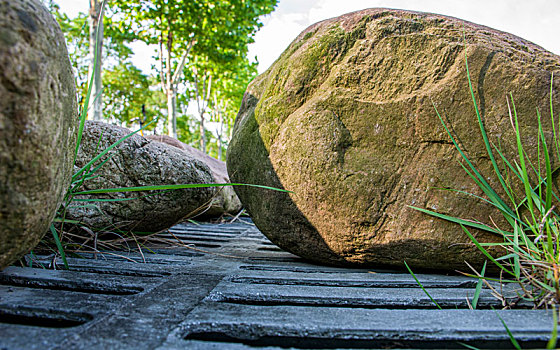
345 119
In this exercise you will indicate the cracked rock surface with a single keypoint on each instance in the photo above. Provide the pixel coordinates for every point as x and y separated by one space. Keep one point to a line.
225 200
344 119
138 162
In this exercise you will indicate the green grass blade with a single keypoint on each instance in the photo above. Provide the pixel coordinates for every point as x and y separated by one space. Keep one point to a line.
468 346
96 169
485 252
478 288
59 246
33 258
485 186
511 337
516 263
547 165
505 257
96 200
483 130
554 336
172 187
68 221
552 117
85 107
458 220
421 286
509 215
542 181
507 165
549 184
522 164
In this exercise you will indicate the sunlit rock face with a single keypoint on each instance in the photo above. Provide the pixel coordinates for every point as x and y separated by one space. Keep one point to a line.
38 122
345 120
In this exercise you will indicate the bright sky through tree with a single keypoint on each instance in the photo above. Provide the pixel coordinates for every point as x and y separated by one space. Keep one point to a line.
535 20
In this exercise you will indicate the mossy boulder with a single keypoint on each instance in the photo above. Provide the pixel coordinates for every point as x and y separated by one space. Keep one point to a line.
345 119
225 201
38 120
133 163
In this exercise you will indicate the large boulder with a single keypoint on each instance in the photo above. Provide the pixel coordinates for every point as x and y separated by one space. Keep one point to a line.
138 162
225 200
344 119
38 119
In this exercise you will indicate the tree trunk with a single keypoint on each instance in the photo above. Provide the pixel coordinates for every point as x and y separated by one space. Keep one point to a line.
202 134
202 100
220 142
95 107
172 79
171 112
170 91
217 113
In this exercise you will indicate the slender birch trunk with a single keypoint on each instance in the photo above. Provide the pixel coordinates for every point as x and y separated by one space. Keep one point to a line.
203 90
95 107
169 86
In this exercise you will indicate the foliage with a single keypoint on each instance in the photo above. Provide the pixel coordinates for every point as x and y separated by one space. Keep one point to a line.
115 50
127 95
76 41
191 40
531 241
127 89
187 33
218 90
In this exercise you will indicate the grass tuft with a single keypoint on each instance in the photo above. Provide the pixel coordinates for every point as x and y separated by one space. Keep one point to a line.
531 239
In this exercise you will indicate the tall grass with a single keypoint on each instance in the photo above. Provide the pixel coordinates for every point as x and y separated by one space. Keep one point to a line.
530 240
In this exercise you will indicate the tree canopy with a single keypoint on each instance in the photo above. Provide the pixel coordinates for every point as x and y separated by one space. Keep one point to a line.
201 54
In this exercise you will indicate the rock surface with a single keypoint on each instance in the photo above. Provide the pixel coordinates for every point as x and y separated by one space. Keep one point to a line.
344 119
225 200
139 162
38 120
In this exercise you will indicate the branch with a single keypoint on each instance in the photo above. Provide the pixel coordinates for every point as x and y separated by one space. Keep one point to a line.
197 88
163 87
182 63
168 58
161 62
208 91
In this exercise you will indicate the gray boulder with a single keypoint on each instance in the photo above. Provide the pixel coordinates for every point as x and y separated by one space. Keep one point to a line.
225 200
139 162
38 120
344 119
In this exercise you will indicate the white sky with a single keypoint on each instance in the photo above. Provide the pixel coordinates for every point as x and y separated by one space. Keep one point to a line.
535 20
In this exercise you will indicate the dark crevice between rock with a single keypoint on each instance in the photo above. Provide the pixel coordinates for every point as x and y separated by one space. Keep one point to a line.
345 141
481 77
440 142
